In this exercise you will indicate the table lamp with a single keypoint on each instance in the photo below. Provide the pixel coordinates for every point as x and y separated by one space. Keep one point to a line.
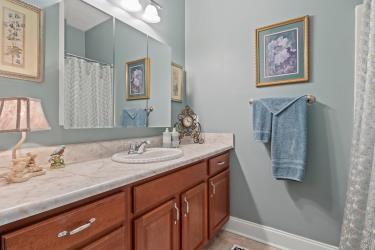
22 114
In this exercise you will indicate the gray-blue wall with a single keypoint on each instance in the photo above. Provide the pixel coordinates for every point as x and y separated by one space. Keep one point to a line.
74 41
221 77
99 42
171 27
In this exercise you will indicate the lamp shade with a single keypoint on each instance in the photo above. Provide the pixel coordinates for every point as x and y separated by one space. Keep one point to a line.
151 14
19 114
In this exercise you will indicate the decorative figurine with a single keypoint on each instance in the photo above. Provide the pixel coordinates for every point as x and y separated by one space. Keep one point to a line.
57 158
188 125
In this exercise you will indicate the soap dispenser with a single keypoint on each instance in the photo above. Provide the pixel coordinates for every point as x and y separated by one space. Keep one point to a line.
167 138
175 138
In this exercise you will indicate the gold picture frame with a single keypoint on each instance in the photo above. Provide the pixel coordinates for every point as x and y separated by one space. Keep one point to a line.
177 82
271 70
21 34
137 79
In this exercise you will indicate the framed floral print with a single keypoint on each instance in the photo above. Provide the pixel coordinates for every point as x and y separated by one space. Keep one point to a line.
282 53
177 82
138 79
21 52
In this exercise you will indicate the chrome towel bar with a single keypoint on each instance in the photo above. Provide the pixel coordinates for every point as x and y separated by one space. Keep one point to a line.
310 99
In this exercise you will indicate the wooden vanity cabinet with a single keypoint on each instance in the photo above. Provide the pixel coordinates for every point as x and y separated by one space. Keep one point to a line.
180 209
194 217
218 202
158 229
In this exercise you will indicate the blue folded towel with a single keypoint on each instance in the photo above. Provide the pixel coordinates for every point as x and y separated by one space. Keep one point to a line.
134 118
283 122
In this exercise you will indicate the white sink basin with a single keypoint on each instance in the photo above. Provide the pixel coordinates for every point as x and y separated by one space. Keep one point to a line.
151 155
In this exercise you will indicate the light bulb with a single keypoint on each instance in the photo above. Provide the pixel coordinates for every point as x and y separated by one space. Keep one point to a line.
131 5
151 14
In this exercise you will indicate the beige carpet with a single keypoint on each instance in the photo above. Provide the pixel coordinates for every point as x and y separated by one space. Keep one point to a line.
225 240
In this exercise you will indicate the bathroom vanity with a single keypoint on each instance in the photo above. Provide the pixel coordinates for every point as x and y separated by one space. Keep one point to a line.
101 204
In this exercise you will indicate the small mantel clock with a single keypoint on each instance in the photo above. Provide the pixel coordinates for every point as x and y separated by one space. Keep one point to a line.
188 125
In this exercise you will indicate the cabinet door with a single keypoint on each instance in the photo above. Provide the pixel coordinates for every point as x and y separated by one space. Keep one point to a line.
159 228
194 217
113 241
218 202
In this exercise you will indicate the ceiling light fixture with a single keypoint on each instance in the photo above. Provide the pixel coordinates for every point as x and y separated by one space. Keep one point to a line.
151 14
131 5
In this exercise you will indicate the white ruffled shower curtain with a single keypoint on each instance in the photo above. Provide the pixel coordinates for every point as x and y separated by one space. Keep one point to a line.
358 230
88 94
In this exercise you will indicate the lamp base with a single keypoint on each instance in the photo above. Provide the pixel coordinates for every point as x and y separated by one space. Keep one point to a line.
24 168
18 179
26 177
18 145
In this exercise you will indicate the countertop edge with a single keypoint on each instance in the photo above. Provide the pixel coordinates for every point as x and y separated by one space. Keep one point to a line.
11 215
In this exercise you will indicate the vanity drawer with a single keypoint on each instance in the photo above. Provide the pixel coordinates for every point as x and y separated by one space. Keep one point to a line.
84 224
153 192
218 163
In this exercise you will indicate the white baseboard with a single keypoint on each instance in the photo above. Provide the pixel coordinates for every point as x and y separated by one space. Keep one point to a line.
273 237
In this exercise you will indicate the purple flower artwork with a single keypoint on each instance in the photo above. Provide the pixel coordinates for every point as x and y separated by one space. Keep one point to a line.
138 79
281 53
137 83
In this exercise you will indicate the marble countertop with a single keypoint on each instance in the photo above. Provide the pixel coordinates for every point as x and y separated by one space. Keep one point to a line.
78 181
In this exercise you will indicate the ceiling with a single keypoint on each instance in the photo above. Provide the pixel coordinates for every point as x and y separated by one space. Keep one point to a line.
83 16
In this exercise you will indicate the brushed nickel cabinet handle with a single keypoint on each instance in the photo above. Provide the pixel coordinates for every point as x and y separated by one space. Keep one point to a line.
213 187
177 213
187 205
76 230
221 163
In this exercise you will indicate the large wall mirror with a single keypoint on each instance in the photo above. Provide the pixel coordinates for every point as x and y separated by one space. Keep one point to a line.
114 75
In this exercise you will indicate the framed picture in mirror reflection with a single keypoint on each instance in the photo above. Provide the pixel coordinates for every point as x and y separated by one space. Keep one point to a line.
177 82
138 79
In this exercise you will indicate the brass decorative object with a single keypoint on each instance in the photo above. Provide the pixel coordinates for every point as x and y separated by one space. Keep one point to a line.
188 125
57 158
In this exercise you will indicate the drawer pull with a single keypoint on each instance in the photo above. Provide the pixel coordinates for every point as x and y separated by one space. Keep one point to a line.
76 230
213 187
177 213
221 163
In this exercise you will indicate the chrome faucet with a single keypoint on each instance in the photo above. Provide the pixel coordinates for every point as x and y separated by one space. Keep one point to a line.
138 148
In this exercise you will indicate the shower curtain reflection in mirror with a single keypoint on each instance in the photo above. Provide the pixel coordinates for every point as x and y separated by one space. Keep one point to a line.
88 89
